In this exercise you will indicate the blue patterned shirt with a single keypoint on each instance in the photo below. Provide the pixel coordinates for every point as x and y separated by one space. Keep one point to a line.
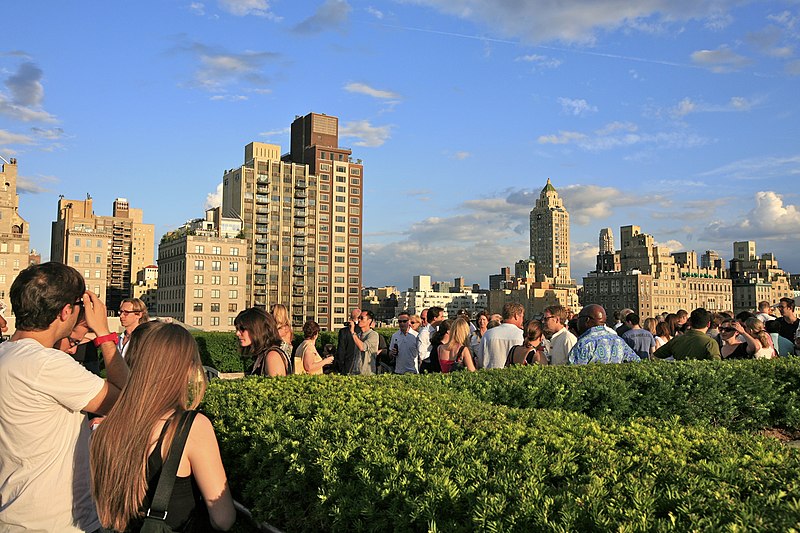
598 345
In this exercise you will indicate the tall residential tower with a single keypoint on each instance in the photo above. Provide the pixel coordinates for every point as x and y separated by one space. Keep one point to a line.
14 236
549 243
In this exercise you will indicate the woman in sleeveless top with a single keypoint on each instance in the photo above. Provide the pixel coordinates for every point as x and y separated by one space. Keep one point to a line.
532 350
259 338
454 347
163 358
736 343
311 360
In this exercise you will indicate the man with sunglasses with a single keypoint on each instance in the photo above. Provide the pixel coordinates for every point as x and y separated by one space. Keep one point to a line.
403 346
44 437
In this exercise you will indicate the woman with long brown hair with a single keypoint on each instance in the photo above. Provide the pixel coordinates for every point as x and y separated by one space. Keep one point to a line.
532 350
259 338
130 446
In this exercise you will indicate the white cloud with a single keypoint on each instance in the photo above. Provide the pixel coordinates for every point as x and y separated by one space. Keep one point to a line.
220 69
462 155
26 96
563 137
49 134
671 246
272 133
721 60
243 8
583 258
228 98
793 67
576 107
6 137
375 12
366 133
363 88
769 218
331 15
38 185
758 168
579 21
540 61
197 8
214 199
684 107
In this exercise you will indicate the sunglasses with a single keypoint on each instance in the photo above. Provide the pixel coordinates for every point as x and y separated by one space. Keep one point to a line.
728 330
402 321
73 342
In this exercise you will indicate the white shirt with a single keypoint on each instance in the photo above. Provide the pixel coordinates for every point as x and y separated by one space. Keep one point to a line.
561 343
424 342
406 362
44 440
765 317
497 342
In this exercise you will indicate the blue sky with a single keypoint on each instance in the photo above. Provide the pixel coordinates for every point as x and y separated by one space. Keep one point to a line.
682 117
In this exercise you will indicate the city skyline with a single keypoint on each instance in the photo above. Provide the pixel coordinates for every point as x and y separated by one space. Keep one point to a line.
681 119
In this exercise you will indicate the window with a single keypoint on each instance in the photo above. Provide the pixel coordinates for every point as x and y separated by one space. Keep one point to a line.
198 279
216 250
215 293
197 307
77 258
216 266
199 249
198 293
232 308
99 244
233 266
234 251
215 321
215 280
233 280
77 242
197 321
215 308
341 199
233 294
97 274
199 264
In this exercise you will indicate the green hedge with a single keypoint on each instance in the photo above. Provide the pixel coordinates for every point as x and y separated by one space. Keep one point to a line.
382 454
738 395
219 350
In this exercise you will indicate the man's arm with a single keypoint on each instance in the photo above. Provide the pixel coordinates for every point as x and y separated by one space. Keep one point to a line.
713 350
116 368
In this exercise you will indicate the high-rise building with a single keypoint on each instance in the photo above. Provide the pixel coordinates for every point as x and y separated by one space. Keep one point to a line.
14 236
606 243
109 251
549 238
711 259
301 216
315 142
744 250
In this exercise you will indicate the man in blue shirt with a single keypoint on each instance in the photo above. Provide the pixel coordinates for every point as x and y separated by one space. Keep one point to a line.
640 340
595 343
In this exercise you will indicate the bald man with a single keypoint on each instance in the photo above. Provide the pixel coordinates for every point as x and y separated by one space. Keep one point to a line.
595 343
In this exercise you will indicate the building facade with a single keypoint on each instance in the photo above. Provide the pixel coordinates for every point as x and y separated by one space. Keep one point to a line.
756 279
14 234
301 215
651 280
549 238
201 279
109 251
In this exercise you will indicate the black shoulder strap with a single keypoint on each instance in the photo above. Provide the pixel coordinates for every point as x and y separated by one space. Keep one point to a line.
166 481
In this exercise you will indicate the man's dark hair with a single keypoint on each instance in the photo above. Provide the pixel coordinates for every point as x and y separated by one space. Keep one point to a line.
370 314
40 292
744 315
633 318
434 313
789 303
683 312
699 318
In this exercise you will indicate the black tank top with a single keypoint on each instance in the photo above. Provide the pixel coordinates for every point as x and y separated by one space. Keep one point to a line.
187 511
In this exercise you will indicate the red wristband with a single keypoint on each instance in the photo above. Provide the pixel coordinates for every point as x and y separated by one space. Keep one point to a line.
111 337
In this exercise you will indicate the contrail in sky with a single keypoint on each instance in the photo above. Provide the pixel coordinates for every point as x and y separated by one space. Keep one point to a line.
543 47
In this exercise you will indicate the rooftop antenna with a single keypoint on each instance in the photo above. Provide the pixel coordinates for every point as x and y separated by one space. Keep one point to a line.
4 160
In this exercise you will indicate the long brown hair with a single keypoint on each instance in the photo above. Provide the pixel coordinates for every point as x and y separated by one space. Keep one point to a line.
166 375
262 328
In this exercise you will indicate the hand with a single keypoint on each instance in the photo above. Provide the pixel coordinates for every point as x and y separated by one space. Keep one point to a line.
329 360
95 311
738 327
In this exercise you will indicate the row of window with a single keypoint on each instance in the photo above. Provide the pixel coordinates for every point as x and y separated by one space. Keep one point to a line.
216 250
214 307
199 279
216 266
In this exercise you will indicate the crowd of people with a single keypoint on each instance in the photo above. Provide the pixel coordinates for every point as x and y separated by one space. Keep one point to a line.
143 419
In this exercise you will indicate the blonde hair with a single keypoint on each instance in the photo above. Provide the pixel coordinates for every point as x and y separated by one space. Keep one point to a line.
459 333
138 307
166 375
756 326
281 315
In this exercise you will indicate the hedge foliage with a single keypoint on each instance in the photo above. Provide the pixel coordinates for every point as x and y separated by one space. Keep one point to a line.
425 454
739 395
